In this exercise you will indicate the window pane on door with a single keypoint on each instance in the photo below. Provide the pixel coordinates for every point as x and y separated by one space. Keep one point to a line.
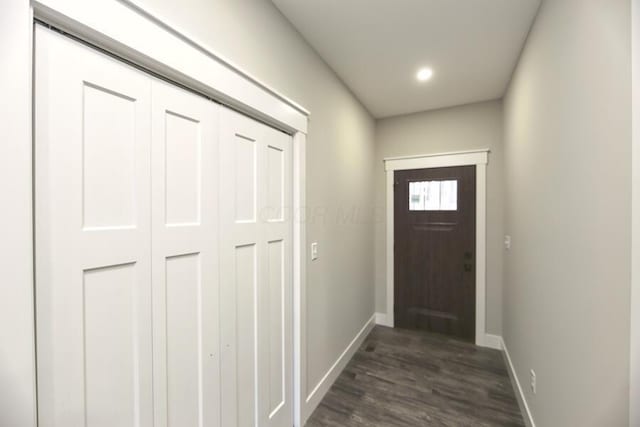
433 195
449 195
416 202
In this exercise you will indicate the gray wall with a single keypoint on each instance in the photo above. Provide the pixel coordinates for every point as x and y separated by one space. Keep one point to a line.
461 128
340 153
568 176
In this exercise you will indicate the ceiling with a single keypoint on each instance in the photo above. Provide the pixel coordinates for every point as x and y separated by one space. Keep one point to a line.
377 46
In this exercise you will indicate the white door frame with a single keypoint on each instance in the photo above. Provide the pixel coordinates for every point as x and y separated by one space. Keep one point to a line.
634 356
133 33
477 158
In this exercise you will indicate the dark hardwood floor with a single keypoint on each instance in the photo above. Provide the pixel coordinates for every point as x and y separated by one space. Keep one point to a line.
411 378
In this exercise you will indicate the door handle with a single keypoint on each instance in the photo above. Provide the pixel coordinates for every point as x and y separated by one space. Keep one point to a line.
468 256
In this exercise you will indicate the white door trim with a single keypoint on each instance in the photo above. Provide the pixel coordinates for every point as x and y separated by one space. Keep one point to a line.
136 34
634 357
299 281
17 329
477 158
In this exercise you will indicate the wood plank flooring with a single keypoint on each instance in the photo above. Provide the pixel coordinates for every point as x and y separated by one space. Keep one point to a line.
411 378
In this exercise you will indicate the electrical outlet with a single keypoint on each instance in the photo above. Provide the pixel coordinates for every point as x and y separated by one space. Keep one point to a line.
314 251
533 381
507 242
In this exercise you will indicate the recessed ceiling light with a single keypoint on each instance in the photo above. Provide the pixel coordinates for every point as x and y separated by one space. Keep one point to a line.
424 74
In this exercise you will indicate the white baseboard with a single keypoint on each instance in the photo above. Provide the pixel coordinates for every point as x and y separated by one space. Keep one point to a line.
381 319
492 341
522 401
323 386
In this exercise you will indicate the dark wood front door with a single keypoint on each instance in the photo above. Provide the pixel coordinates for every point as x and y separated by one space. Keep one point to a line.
435 239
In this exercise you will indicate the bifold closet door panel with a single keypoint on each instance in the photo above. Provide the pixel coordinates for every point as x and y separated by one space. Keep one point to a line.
163 251
184 258
255 271
93 241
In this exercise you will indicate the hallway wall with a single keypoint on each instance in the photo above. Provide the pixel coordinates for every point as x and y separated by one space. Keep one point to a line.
568 177
340 150
467 127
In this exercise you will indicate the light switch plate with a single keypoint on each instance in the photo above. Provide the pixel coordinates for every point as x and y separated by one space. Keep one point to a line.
507 242
314 251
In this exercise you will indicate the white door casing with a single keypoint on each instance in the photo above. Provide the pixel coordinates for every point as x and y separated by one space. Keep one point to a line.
184 261
256 273
93 238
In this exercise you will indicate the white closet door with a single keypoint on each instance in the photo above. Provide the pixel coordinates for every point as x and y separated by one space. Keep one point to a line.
185 259
93 239
256 252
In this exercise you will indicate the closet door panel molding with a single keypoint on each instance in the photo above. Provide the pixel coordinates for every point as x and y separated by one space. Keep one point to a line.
185 258
256 272
93 241
164 251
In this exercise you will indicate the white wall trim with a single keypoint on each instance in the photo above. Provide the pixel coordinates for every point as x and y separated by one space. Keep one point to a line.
634 357
315 397
299 278
455 158
213 53
390 243
445 154
382 320
493 341
17 350
130 31
522 401
479 158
